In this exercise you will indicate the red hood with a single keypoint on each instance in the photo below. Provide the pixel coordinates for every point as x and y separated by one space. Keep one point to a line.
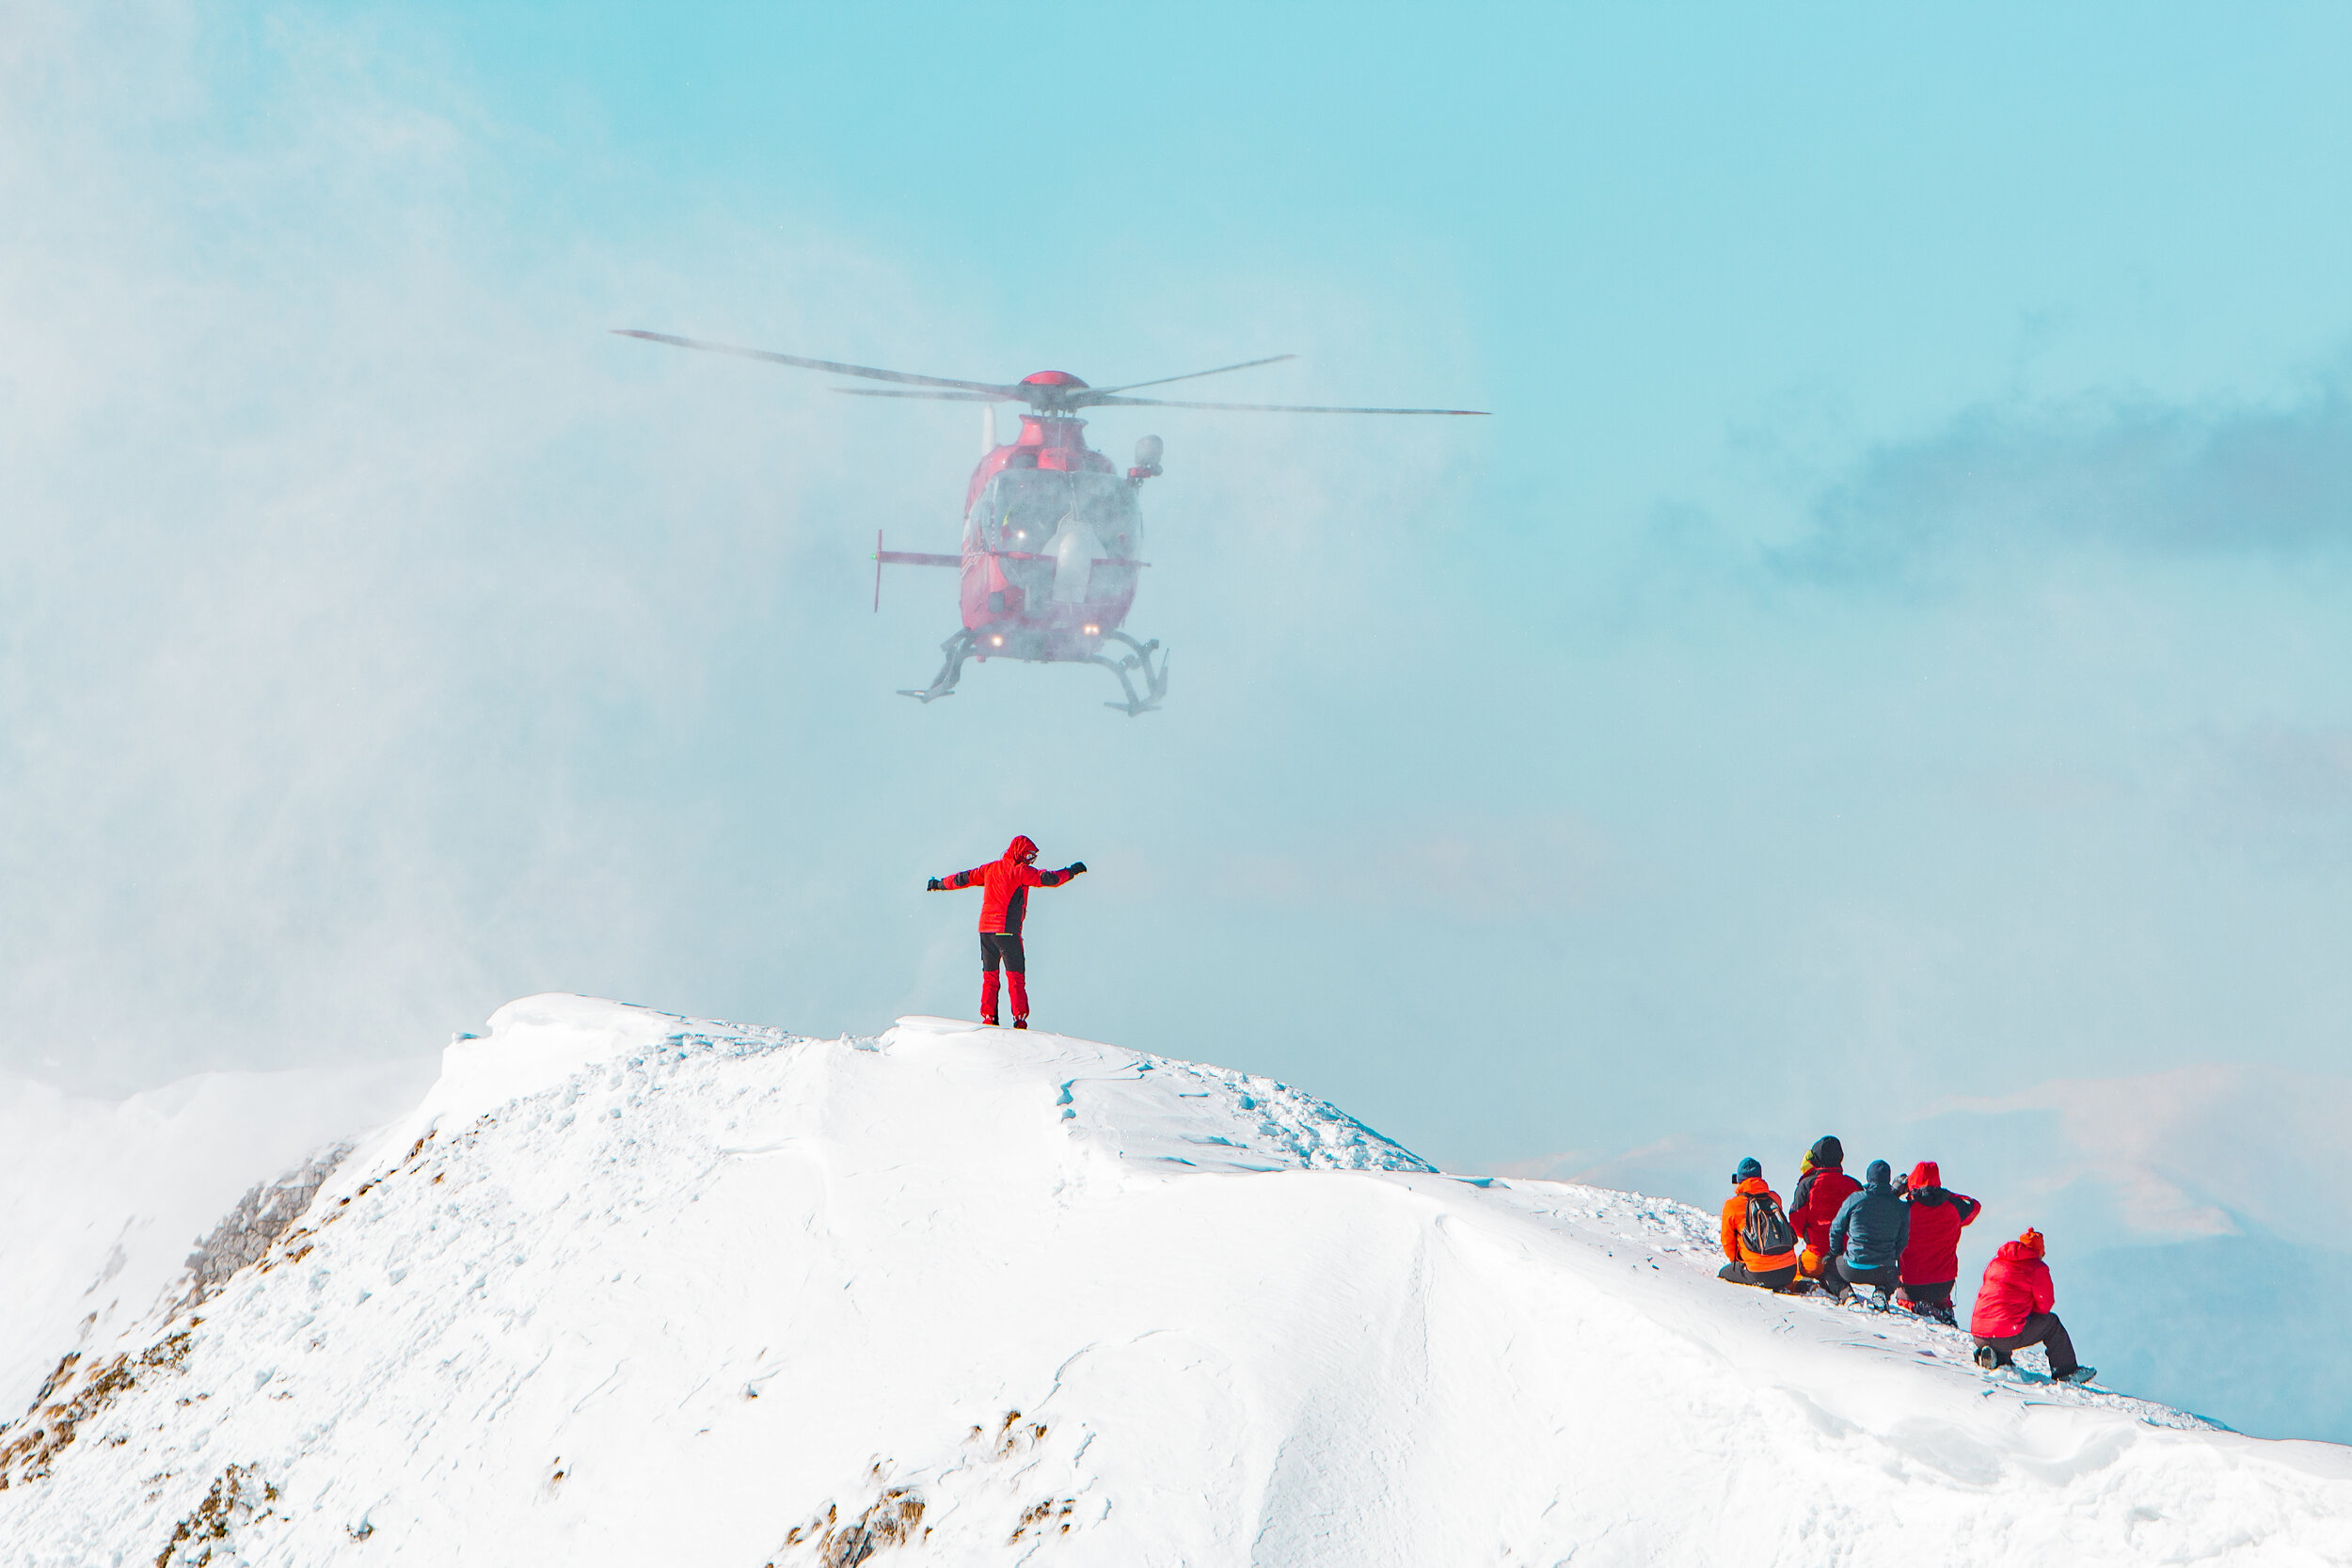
1924 1174
2018 1252
1020 845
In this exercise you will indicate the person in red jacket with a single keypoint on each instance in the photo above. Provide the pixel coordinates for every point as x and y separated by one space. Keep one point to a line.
1005 886
1821 1189
1931 1257
1757 1238
2013 1311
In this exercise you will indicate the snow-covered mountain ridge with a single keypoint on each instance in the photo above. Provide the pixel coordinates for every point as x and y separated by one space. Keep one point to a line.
629 1289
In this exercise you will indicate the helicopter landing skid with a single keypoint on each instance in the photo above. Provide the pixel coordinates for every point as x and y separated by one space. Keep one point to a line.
1154 679
961 647
958 648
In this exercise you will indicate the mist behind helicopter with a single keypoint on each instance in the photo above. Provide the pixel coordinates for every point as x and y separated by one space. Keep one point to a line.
1895 620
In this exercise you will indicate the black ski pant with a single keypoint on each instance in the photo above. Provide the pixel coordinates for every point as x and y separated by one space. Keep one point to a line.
1885 1279
1769 1279
1932 1300
2044 1329
1003 947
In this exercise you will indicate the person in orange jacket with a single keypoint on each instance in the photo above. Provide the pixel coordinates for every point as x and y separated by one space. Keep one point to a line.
1004 885
2013 1311
1757 1238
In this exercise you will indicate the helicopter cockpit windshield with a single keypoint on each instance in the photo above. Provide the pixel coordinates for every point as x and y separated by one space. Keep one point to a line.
1078 531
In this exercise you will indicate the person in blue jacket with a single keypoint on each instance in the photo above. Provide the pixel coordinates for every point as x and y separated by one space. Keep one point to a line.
1865 1240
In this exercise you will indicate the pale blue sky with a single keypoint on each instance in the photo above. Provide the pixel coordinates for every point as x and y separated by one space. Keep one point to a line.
1891 639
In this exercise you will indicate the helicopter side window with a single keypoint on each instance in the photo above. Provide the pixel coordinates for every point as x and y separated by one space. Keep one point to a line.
990 511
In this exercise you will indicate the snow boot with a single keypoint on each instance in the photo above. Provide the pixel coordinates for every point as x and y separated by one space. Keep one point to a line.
2080 1374
1989 1358
1935 1311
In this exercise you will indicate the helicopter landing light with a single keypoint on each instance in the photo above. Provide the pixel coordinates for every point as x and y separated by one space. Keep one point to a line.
1094 631
997 640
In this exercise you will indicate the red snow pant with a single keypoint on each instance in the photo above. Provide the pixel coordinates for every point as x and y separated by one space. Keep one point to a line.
996 948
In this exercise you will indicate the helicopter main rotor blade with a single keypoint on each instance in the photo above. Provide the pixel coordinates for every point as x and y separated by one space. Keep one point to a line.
1281 407
866 370
1193 376
941 397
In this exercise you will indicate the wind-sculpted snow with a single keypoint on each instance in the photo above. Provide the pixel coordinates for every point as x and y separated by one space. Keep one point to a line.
629 1289
1147 1109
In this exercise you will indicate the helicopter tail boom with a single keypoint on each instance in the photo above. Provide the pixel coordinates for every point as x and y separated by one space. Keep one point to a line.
903 558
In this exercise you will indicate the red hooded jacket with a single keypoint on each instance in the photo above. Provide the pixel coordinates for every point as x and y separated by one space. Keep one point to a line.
1005 886
2016 1286
1931 1256
1819 1193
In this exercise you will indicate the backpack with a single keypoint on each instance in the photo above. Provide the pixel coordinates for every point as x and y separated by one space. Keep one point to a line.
1766 1231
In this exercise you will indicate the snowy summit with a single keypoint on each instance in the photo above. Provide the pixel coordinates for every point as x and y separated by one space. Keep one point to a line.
628 1288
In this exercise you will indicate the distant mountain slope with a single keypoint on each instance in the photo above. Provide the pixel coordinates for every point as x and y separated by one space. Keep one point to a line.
628 1288
104 1198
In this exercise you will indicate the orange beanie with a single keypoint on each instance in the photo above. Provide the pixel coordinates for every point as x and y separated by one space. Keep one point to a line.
2032 1240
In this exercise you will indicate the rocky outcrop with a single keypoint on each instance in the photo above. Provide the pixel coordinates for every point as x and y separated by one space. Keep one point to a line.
262 1215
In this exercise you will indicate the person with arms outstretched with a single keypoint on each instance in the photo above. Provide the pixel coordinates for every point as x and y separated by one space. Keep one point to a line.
1005 886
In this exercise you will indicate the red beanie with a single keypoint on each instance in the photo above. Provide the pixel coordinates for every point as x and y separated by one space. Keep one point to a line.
1924 1174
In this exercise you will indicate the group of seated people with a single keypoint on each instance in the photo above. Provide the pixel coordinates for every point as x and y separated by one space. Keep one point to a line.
1899 1236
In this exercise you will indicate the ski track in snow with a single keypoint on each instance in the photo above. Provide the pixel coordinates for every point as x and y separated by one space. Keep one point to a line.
631 1289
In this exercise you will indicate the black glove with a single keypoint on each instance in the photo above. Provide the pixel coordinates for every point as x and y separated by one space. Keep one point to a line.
934 885
1074 869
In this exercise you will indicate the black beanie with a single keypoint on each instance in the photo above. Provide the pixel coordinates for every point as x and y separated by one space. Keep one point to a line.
1828 1151
1749 1170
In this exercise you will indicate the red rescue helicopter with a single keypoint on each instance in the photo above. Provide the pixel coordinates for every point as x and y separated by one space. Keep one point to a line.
1052 531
